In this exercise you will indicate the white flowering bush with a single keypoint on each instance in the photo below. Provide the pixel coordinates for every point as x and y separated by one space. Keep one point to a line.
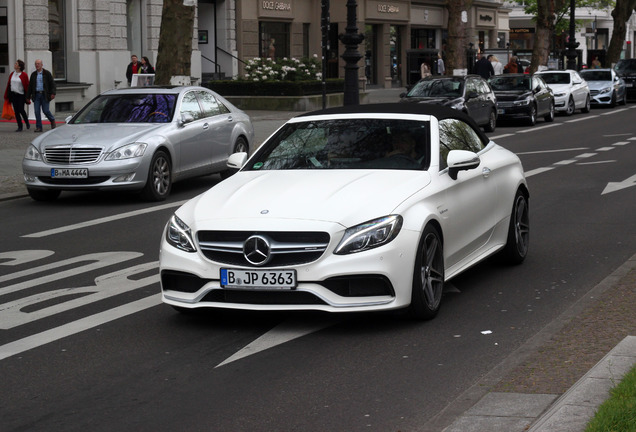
267 69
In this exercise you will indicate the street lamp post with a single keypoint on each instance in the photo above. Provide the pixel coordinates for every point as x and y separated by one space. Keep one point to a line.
351 39
572 43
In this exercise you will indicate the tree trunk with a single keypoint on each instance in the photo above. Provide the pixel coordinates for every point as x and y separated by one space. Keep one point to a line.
543 32
621 13
457 40
175 42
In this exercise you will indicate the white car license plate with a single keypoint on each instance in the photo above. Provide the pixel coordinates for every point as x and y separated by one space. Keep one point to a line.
69 172
263 279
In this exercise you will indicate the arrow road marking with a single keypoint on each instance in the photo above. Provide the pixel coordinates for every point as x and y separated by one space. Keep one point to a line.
280 334
616 186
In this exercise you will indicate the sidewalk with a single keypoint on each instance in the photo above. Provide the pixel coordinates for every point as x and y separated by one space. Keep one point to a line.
484 407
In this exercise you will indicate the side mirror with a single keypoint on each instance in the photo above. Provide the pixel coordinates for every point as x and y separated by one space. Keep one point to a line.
185 118
461 160
68 119
237 160
402 95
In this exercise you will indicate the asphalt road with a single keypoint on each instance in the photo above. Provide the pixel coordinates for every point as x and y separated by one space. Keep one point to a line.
85 344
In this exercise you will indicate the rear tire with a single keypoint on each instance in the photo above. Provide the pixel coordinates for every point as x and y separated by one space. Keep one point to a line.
428 276
159 181
518 239
45 195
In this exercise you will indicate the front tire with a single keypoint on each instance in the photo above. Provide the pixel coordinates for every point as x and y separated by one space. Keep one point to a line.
428 276
587 107
571 107
159 181
532 116
550 116
518 239
492 122
45 195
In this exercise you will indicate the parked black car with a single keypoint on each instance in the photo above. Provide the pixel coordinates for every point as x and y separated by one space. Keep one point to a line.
523 97
626 69
470 94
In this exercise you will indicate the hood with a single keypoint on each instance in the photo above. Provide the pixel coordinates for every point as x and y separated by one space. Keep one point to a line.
511 95
347 197
598 85
560 88
106 135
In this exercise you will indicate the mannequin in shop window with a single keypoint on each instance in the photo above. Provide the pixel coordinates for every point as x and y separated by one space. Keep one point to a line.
271 53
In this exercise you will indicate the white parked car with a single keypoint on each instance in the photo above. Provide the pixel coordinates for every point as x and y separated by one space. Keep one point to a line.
571 91
358 208
138 139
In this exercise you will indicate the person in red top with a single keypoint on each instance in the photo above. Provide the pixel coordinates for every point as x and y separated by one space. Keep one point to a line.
16 93
133 67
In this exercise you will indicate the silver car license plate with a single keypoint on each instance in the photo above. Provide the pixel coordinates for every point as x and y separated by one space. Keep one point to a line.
69 172
258 279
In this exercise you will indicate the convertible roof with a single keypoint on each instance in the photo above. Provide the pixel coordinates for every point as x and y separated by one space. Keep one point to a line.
438 111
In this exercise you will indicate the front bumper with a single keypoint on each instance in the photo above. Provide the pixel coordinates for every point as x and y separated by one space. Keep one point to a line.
561 103
600 98
506 111
129 174
374 280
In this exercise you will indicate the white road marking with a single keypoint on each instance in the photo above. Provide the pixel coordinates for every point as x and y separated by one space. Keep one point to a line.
501 136
280 334
605 149
581 119
540 128
538 171
615 111
596 163
553 151
103 220
615 186
39 339
22 257
622 143
565 162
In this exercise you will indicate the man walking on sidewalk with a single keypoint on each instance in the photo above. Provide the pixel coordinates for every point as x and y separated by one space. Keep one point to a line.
41 92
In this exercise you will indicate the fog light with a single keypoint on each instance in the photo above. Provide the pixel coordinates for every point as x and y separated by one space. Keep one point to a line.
29 179
124 178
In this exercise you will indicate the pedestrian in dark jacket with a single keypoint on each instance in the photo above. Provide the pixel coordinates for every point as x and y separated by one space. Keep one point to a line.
41 91
483 67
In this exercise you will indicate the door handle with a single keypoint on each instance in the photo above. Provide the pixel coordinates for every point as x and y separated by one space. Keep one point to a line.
485 172
206 126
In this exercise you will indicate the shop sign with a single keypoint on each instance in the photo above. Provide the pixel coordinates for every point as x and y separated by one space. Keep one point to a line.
395 10
522 30
485 18
275 9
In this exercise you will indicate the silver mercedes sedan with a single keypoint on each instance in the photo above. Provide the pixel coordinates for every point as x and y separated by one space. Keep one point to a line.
140 139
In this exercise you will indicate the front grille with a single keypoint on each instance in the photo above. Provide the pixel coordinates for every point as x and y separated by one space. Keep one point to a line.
287 248
74 181
68 155
263 297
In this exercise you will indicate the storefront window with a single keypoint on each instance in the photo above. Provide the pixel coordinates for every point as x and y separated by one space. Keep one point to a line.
133 27
274 40
57 39
422 38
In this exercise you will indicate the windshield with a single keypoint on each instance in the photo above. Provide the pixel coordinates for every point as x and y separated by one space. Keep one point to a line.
128 108
346 144
437 88
592 75
626 66
504 83
556 78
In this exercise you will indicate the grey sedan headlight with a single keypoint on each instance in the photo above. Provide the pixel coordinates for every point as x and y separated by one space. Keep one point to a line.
369 235
605 90
178 234
128 151
32 154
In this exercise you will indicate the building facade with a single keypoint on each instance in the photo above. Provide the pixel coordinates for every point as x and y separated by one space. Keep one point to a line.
87 44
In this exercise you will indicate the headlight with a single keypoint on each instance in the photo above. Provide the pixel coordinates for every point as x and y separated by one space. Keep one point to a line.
178 234
559 94
369 235
32 154
523 102
128 151
605 90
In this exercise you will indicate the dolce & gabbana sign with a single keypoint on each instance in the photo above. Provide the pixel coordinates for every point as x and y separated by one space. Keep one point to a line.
275 9
396 10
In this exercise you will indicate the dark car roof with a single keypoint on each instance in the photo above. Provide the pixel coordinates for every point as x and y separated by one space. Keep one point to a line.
438 111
